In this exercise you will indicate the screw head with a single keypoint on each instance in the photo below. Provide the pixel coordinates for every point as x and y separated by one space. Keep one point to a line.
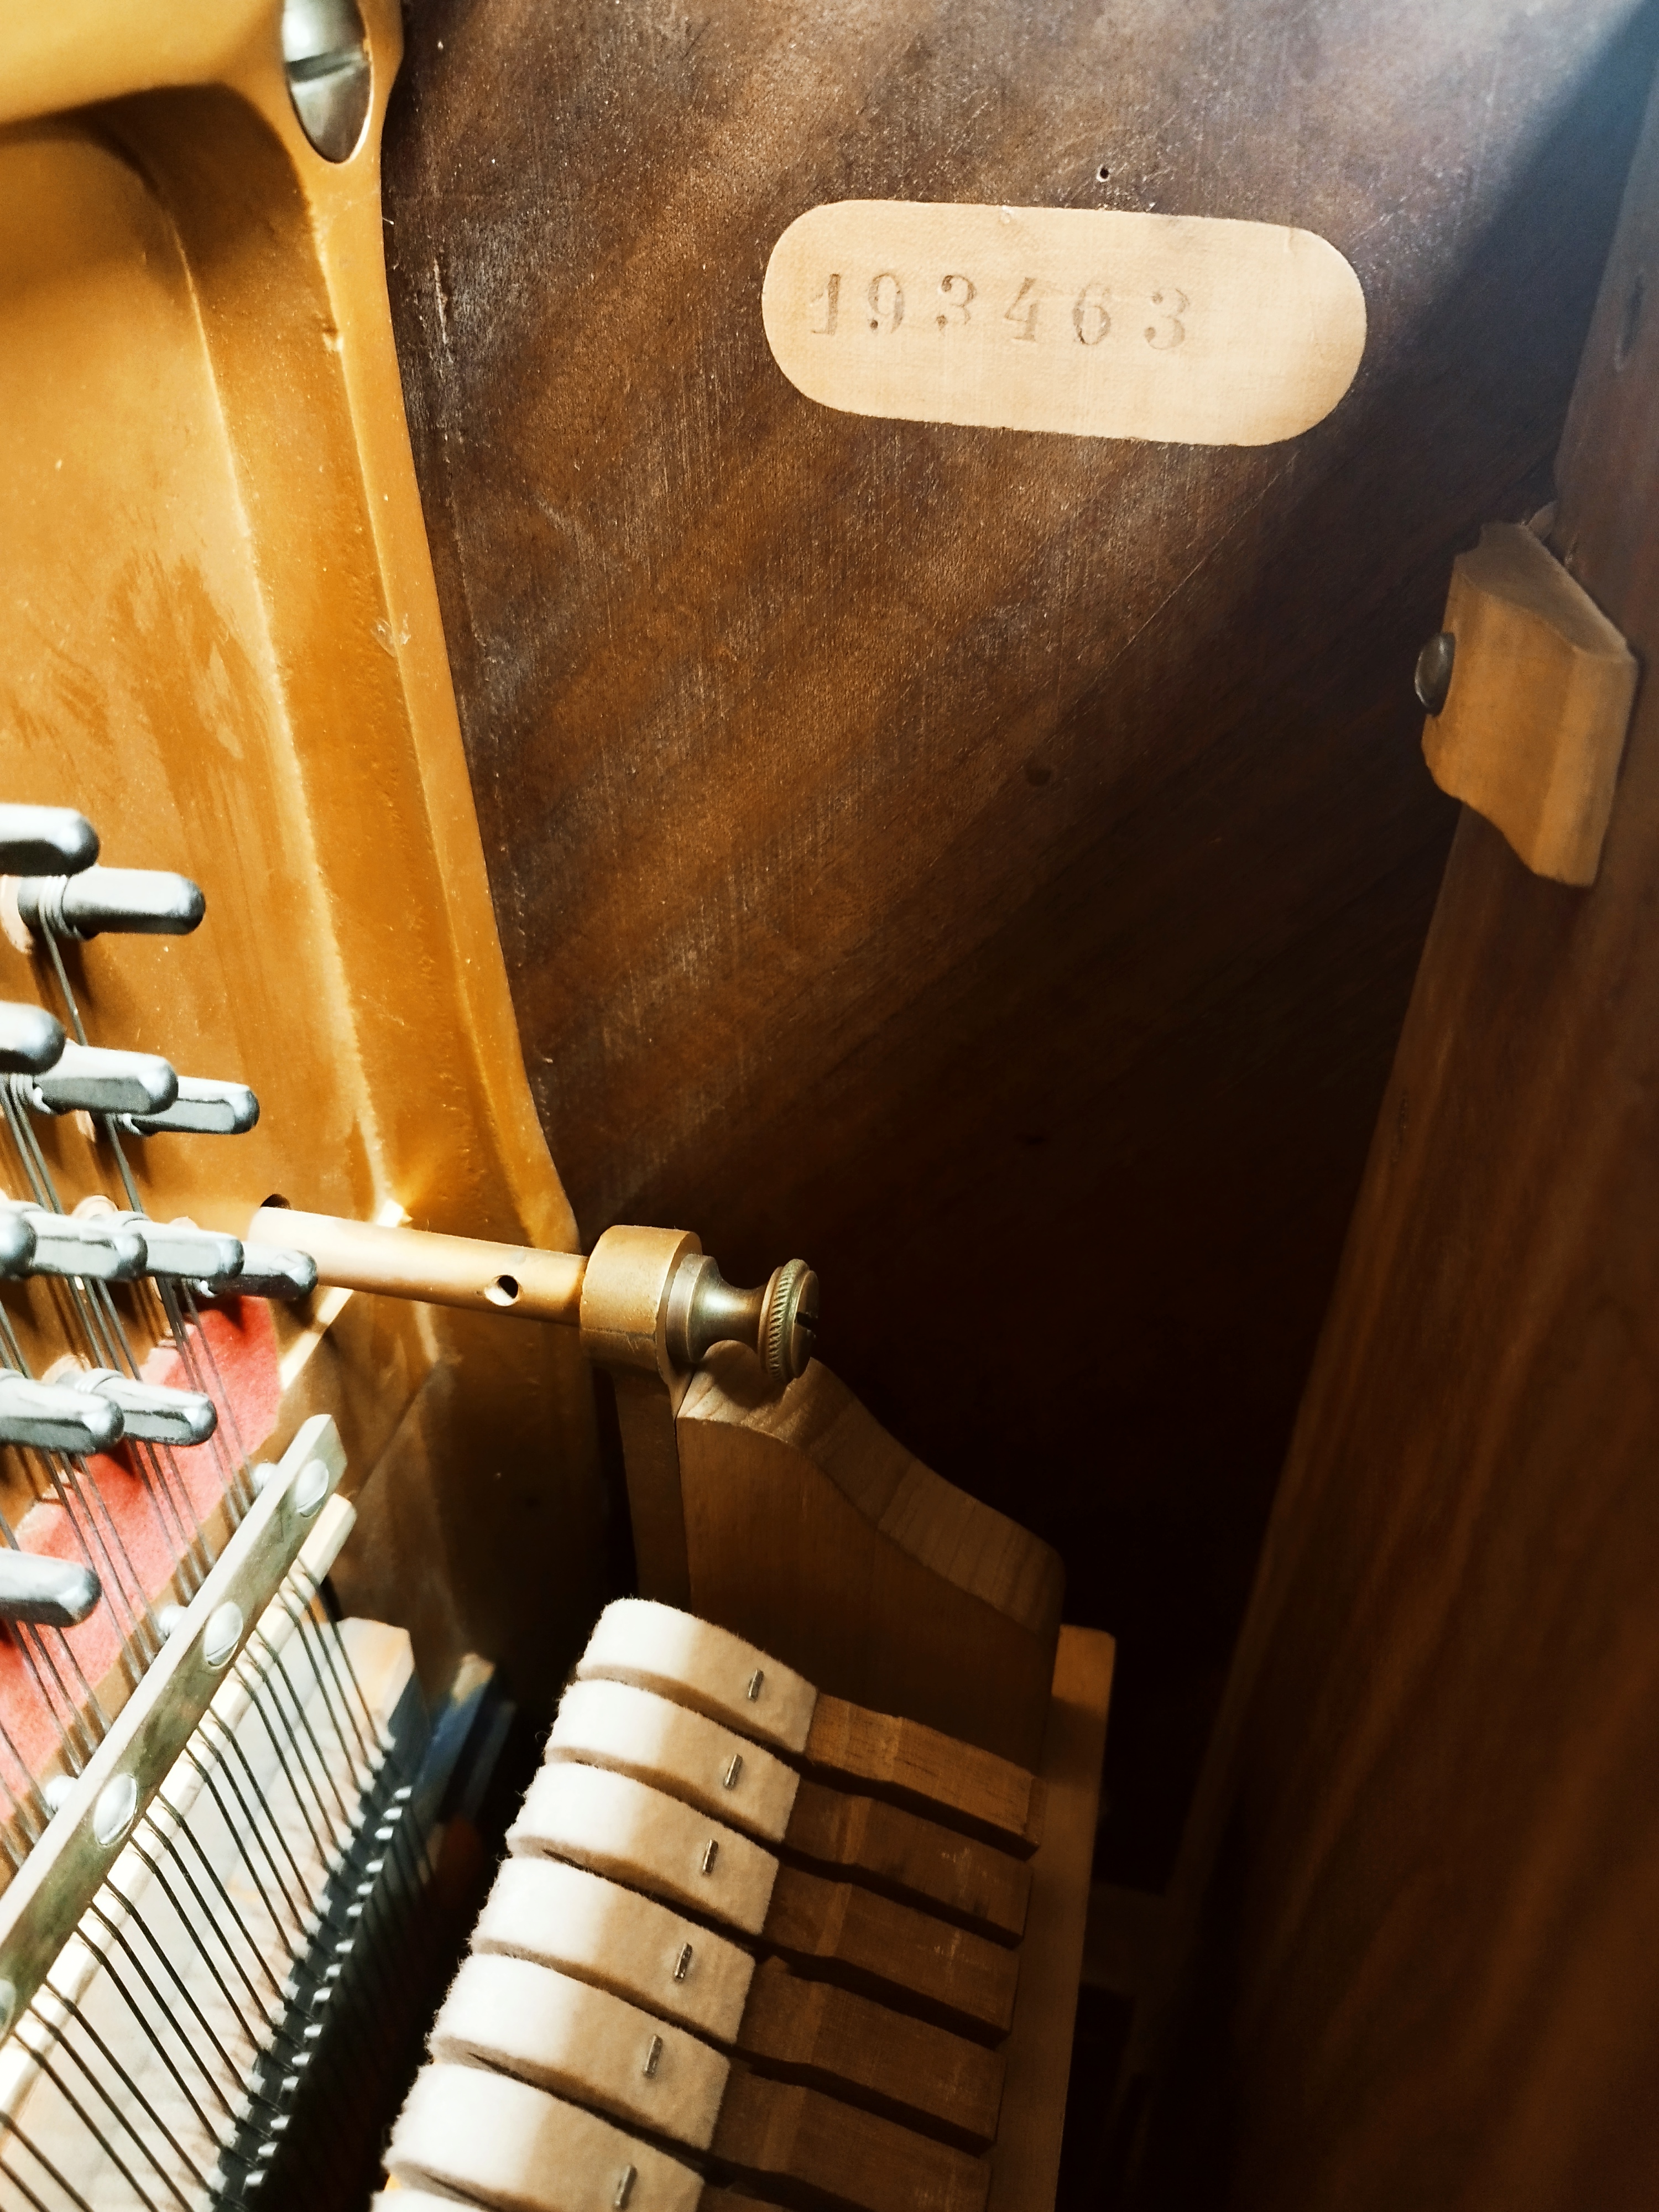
312 1488
329 77
116 1810
1434 671
223 1634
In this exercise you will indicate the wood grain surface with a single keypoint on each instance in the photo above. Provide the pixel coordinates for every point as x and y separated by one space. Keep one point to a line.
830 2039
944 1872
908 1959
812 1534
936 1775
1436 1912
990 863
1025 2159
787 2138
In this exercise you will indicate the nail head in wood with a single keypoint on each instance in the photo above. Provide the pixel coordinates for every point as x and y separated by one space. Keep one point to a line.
1434 671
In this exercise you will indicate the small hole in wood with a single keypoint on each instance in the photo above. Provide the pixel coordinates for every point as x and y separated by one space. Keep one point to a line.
1102 174
1630 328
276 1198
503 1292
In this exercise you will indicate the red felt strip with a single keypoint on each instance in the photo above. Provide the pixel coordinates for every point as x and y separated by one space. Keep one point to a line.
135 1527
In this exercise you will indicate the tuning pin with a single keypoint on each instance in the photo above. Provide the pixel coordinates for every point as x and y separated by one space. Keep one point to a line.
172 1248
16 1240
87 1079
203 1108
45 841
64 1246
152 1413
30 1040
55 1593
128 902
56 1419
268 1273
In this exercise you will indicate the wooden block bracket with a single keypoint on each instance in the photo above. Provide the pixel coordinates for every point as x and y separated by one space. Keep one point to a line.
1532 728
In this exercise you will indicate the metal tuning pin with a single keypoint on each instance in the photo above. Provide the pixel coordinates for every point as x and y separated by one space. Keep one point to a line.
86 1249
152 1413
202 1109
86 1078
31 1040
55 1420
124 902
45 841
173 1247
16 1240
53 1593
269 1272
779 1321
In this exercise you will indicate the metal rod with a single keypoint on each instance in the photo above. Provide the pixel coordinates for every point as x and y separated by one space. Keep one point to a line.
444 1271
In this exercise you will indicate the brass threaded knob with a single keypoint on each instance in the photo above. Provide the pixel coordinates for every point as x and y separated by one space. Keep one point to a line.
778 1322
788 1322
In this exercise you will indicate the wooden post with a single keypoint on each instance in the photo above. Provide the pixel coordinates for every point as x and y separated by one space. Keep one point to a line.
624 1326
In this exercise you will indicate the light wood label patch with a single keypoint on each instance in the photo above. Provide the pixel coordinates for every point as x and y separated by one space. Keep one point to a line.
1097 322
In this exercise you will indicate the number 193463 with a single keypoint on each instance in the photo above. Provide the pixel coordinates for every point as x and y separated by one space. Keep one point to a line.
1038 313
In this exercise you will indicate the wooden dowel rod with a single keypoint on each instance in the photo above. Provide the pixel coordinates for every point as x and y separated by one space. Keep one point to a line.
414 1263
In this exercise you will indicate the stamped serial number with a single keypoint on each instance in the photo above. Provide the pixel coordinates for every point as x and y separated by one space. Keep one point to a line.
1038 313
1094 322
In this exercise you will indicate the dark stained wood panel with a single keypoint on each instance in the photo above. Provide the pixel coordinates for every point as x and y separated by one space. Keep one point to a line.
990 863
1436 1970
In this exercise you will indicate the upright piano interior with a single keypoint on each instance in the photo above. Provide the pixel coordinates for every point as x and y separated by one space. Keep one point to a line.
641 803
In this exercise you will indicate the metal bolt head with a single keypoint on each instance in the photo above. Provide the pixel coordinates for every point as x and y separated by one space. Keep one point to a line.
1434 671
223 1636
116 1810
329 77
312 1488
